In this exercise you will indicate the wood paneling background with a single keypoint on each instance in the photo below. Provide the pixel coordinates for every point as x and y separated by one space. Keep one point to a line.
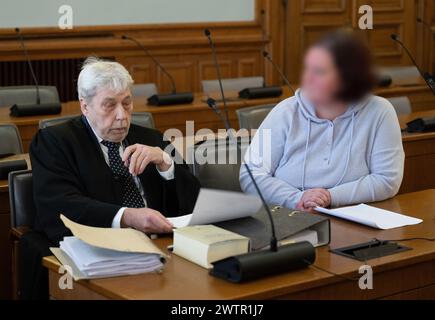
307 20
285 28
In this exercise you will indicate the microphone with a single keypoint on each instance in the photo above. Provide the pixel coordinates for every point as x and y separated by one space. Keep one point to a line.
256 264
33 108
267 56
168 98
207 33
426 75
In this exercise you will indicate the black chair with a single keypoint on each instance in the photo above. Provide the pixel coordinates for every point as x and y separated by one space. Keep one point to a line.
10 139
252 117
30 278
144 119
27 94
204 157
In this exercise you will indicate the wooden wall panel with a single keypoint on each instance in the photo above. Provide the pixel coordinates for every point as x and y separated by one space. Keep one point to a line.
307 20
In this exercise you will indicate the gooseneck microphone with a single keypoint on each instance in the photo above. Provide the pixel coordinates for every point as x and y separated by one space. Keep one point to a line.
278 69
246 93
426 75
162 99
29 63
36 108
212 104
207 33
256 264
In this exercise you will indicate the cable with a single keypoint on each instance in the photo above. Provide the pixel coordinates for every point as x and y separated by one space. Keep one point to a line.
408 239
330 272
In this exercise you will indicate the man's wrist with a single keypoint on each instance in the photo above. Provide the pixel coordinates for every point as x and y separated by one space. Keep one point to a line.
166 163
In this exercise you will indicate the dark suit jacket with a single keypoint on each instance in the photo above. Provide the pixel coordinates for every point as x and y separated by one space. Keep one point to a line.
71 176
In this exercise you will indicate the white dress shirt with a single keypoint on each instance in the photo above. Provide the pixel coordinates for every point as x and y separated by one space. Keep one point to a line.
167 175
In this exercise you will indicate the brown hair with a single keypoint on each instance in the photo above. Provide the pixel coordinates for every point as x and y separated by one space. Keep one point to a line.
353 61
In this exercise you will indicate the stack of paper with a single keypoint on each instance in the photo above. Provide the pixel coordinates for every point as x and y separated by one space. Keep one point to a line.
106 252
94 262
371 216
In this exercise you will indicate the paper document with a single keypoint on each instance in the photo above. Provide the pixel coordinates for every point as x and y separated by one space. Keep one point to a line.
371 216
217 205
122 239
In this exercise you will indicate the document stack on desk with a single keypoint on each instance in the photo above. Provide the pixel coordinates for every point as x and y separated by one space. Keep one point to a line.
372 216
94 262
106 252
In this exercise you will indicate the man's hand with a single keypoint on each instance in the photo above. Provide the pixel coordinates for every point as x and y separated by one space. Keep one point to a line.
314 198
145 220
136 157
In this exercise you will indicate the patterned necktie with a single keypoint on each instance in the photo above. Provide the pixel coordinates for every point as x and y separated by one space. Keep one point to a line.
131 196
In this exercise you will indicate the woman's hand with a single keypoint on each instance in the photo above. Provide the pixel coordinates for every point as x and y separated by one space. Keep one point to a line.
314 198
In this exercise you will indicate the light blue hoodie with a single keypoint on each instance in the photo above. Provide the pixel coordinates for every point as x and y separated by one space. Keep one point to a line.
358 156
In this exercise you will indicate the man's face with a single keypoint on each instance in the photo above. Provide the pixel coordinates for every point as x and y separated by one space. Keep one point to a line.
109 113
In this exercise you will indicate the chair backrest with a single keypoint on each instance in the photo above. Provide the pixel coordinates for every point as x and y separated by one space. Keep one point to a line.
232 84
10 139
144 119
403 76
402 105
206 167
21 199
27 94
252 117
44 123
144 90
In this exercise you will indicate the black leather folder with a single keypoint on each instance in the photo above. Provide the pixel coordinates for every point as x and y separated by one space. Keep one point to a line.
287 223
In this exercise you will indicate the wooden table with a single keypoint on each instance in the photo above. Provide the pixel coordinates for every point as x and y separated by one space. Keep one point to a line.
5 224
410 274
176 116
419 156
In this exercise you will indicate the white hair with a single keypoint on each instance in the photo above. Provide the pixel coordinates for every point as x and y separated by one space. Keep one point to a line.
98 73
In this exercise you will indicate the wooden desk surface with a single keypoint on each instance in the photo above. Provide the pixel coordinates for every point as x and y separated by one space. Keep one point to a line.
406 271
176 116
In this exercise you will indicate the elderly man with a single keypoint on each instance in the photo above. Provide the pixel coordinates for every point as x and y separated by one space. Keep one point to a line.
100 170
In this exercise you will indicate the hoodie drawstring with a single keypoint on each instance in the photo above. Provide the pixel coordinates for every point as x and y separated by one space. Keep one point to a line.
349 151
306 152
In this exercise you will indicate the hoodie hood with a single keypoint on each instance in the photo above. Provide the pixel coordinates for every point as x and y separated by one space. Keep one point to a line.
308 111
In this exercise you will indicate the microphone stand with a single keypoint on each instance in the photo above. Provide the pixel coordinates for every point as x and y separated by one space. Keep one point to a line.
166 98
261 263
426 75
37 108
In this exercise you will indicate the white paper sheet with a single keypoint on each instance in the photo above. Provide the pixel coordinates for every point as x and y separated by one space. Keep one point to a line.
216 205
371 216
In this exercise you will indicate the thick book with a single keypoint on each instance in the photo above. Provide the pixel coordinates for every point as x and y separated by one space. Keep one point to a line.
205 244
290 225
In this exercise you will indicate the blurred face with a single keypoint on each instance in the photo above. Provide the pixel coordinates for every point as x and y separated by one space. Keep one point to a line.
109 114
320 79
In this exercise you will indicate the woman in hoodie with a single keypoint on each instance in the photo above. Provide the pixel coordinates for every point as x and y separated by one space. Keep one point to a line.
333 143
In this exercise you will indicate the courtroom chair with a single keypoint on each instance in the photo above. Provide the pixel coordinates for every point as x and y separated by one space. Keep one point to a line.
232 84
27 95
403 76
144 90
215 175
10 141
402 105
252 117
144 119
